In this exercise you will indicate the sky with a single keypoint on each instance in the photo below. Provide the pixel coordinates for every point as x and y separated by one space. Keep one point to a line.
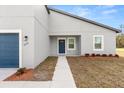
112 15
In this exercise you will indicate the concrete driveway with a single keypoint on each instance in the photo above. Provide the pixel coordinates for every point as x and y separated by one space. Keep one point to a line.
6 72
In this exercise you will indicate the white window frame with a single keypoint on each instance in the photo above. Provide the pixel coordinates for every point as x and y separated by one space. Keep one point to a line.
102 45
74 43
20 41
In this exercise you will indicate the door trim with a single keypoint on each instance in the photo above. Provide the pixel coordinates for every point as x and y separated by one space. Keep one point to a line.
61 38
20 41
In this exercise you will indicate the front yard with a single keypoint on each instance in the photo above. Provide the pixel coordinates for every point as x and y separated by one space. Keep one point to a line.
97 71
45 71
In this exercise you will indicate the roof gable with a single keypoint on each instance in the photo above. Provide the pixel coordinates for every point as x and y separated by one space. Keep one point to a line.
84 19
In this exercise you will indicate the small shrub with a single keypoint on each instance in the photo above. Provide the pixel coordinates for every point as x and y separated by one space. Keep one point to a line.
93 55
20 71
116 55
98 55
110 55
104 55
87 55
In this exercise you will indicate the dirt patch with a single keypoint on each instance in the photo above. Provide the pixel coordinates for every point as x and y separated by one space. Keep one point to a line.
97 71
45 70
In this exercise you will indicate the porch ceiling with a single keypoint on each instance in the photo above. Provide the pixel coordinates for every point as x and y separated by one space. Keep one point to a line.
64 34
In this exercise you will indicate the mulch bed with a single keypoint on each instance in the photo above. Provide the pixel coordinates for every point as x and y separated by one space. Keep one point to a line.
28 74
43 72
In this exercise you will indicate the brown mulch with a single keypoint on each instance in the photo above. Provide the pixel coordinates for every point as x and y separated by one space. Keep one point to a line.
21 77
45 71
95 72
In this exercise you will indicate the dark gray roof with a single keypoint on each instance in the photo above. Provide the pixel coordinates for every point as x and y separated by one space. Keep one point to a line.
47 9
84 19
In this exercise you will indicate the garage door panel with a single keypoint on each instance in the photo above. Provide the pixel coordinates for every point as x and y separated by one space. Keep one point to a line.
9 50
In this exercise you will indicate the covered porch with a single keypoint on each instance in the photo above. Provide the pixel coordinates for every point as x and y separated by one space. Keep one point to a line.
69 45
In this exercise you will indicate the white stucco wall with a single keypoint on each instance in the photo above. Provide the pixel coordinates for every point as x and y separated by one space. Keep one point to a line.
33 22
41 34
60 24
20 17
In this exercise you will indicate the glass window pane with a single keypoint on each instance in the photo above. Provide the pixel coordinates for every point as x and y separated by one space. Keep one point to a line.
97 46
98 42
71 41
71 45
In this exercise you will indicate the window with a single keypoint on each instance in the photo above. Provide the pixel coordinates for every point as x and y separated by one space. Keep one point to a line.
71 43
98 42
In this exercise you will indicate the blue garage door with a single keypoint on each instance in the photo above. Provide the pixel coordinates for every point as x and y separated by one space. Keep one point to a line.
9 50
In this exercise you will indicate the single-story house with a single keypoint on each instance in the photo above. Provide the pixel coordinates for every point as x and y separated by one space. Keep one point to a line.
29 34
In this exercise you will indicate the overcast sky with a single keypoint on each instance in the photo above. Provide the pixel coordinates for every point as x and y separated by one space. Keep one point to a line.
109 15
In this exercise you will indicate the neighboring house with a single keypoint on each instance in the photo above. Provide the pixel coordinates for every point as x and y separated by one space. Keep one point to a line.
29 34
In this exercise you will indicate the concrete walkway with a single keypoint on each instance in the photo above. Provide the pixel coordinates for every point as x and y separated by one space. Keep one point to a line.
62 78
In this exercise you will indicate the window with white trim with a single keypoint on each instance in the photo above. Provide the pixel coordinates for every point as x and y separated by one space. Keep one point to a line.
71 43
98 42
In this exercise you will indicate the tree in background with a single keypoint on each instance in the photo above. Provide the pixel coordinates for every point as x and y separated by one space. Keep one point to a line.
120 41
120 38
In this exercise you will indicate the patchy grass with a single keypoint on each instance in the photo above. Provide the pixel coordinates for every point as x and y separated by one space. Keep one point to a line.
97 72
120 51
45 71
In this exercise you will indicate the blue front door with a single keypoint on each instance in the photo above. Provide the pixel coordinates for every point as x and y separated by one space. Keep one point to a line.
9 50
62 46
